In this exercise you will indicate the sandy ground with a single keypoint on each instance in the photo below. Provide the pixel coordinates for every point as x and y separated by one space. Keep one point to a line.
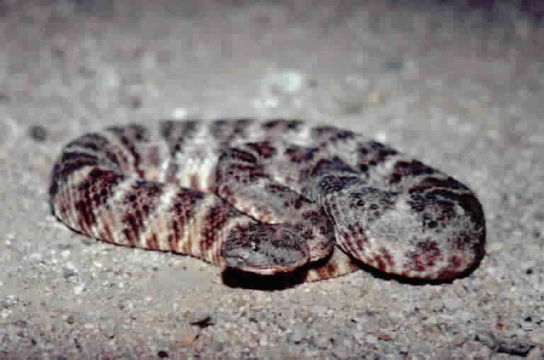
460 89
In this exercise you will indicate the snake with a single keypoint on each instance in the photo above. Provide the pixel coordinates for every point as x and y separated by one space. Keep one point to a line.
268 197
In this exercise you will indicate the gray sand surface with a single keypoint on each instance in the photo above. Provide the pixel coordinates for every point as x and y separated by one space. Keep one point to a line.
460 89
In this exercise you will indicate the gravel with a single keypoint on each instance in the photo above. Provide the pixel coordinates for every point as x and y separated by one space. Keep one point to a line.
458 88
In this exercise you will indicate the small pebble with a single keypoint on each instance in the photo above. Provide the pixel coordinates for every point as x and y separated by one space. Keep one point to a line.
20 323
298 334
78 289
288 81
179 113
68 273
393 66
201 319
38 133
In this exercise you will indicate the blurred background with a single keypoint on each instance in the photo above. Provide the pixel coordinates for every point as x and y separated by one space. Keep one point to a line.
114 61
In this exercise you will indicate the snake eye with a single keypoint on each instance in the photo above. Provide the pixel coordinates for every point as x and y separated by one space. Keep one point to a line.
360 203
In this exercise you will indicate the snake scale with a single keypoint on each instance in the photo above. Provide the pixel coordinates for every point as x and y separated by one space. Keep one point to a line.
268 197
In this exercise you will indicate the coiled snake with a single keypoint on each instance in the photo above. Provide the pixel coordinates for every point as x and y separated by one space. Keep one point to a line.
268 197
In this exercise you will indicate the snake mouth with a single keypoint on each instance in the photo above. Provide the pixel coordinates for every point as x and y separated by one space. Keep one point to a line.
242 264
265 249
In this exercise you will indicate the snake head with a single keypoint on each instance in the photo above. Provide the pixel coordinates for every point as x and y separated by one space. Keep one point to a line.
265 249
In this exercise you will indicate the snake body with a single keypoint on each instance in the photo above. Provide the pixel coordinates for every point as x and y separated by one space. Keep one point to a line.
268 197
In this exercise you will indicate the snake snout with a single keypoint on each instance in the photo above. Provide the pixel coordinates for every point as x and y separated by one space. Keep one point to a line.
265 249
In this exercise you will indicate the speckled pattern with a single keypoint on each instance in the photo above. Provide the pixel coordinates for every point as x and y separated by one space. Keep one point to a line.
268 197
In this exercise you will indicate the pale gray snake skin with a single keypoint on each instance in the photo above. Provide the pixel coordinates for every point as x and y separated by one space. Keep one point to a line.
268 197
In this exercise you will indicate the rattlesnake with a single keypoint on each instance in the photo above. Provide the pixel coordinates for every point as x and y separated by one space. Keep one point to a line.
268 197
